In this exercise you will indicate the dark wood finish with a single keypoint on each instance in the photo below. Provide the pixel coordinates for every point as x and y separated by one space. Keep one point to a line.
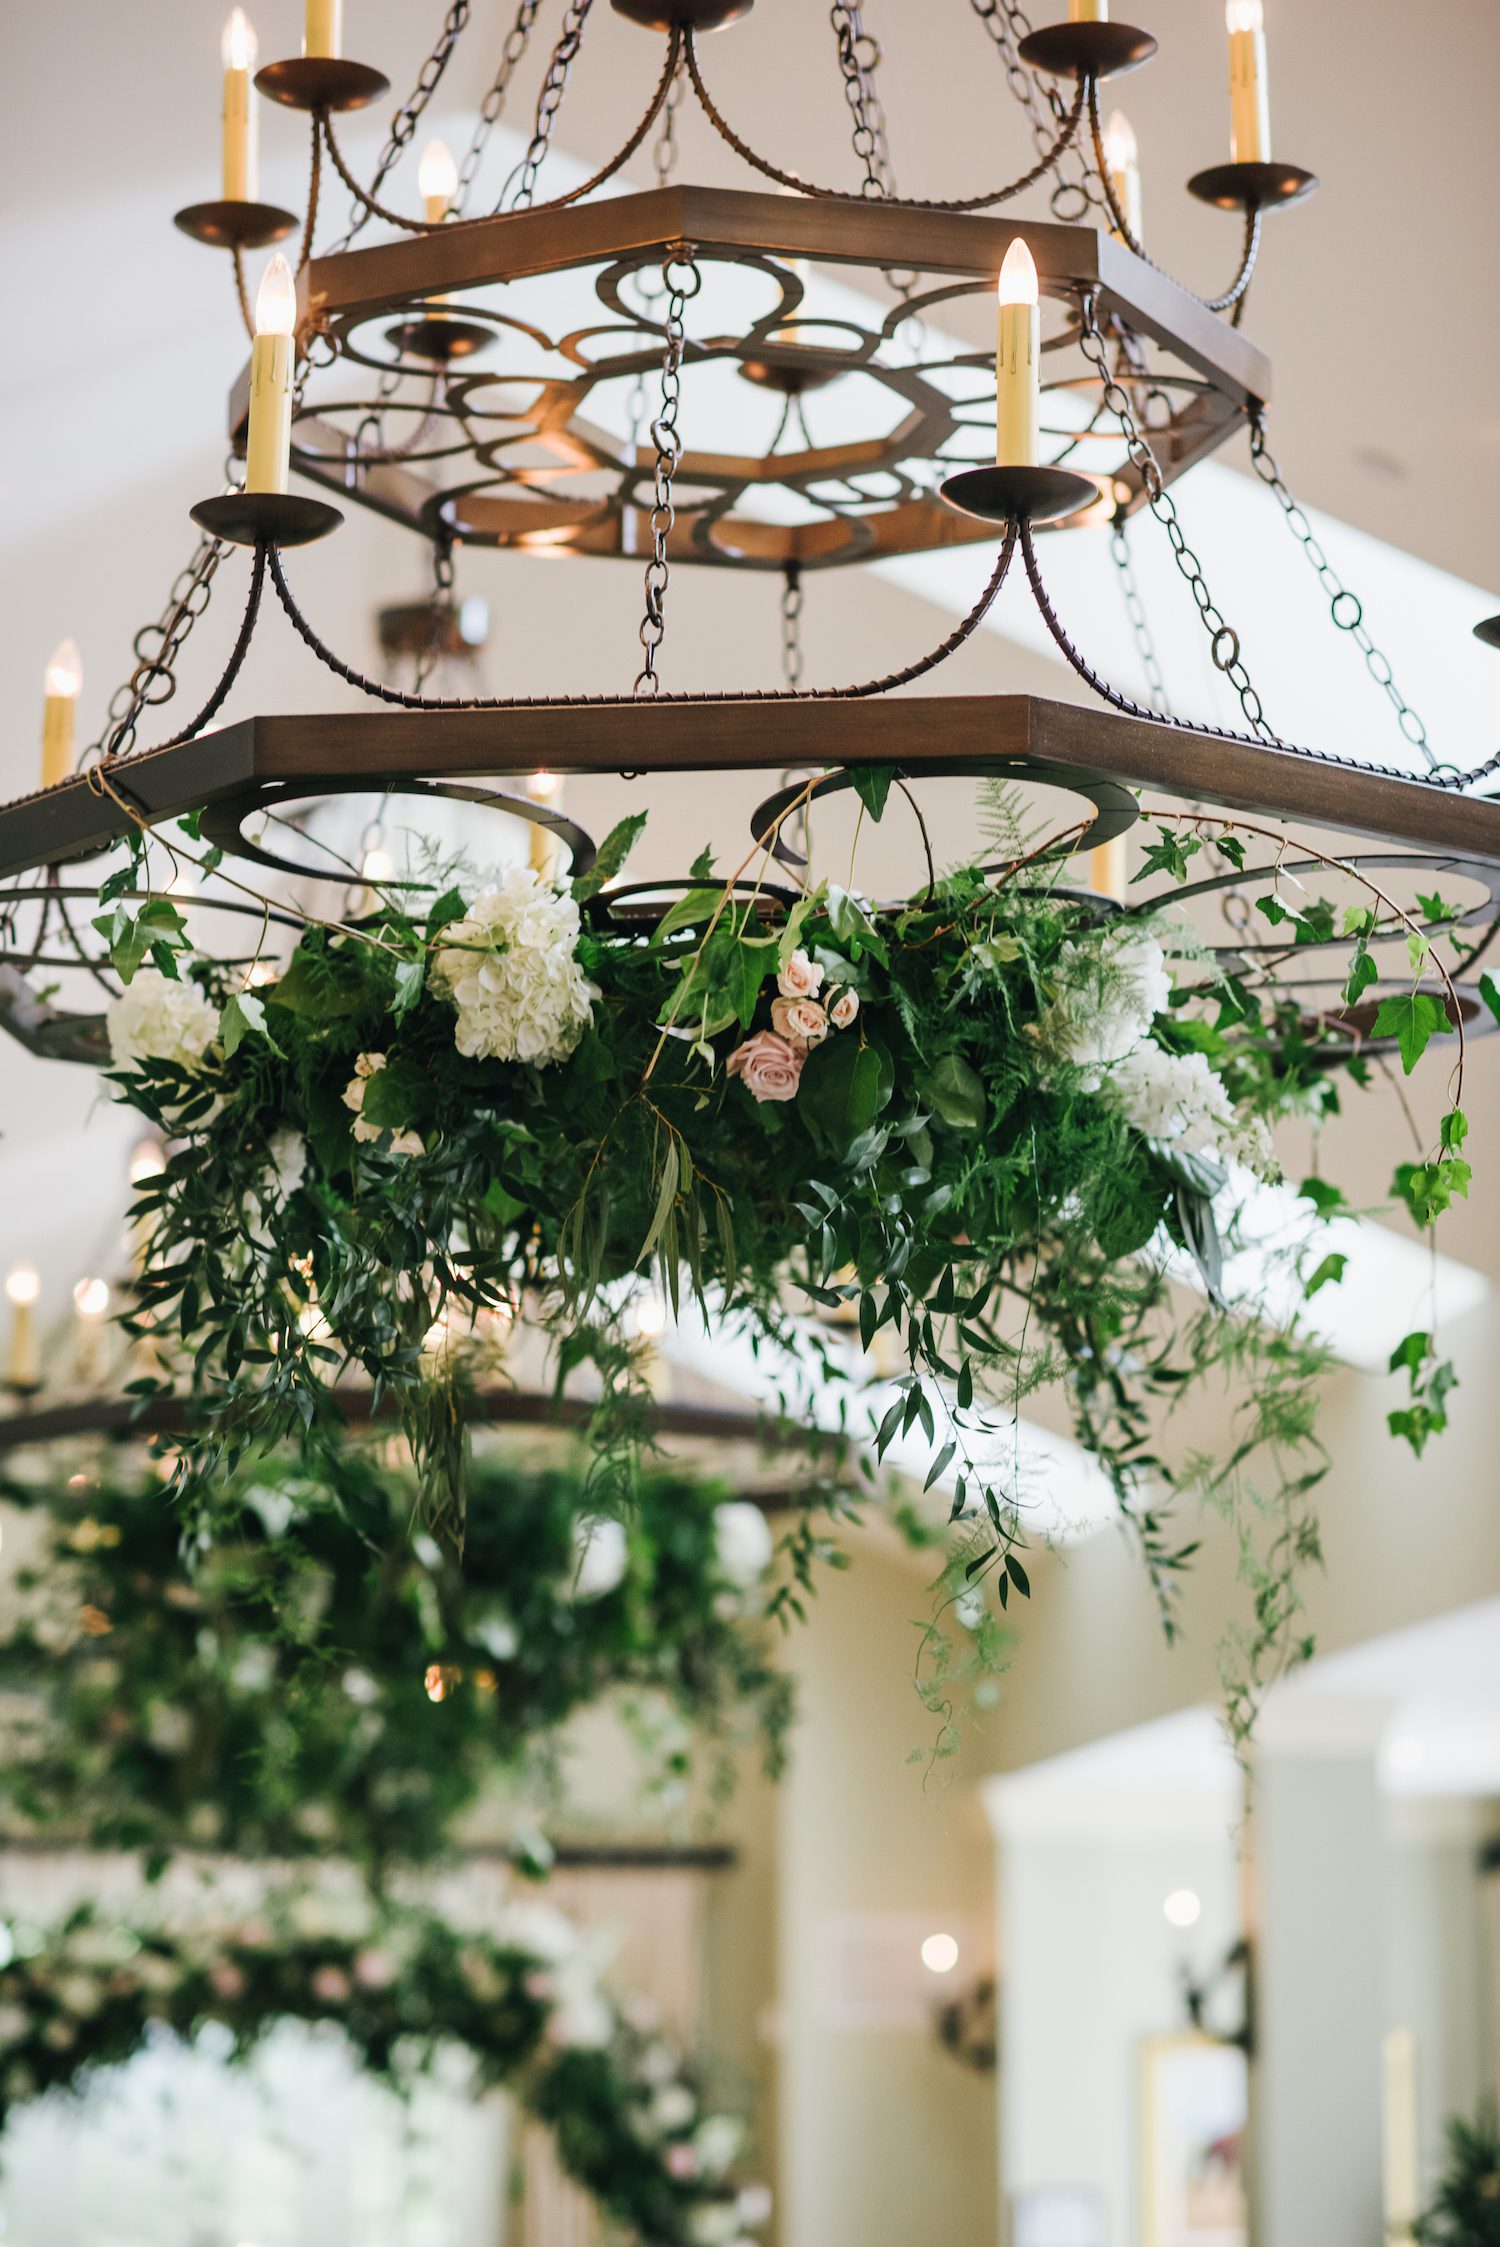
1072 743
479 252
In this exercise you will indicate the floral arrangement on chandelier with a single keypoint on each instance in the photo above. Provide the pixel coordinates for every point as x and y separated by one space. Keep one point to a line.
318 1681
996 1124
522 2001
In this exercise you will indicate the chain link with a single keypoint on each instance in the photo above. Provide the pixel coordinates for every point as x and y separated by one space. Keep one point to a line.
858 56
549 102
1045 108
683 282
516 41
407 118
440 610
1140 625
1345 607
1224 641
666 152
792 599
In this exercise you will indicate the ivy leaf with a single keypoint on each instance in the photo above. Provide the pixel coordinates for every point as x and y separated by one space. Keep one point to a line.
1359 920
844 1087
1328 1274
613 852
1169 854
131 936
872 785
1455 1130
243 1017
1413 1020
1326 1199
694 909
1230 847
451 906
1410 1355
1362 973
957 1094
1273 909
1490 995
852 926
410 976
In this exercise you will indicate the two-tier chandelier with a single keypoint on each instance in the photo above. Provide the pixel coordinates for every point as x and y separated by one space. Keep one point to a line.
451 378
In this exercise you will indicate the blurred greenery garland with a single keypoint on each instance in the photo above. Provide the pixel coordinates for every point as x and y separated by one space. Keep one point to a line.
317 1679
521 2000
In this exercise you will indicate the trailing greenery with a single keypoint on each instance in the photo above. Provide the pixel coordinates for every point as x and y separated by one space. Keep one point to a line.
994 1127
317 1680
522 2001
1466 2212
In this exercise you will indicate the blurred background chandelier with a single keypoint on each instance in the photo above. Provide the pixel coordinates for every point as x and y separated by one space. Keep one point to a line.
790 376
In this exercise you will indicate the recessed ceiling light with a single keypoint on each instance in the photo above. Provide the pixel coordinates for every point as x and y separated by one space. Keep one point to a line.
940 1954
1182 1908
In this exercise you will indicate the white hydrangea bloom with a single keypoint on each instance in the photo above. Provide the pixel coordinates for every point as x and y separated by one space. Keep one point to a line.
744 1545
601 1550
1178 1100
511 969
1108 996
288 1164
157 1019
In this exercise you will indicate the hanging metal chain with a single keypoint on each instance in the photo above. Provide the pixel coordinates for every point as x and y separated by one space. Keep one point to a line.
683 283
666 152
1345 607
792 599
858 57
1045 108
407 118
1224 641
517 40
1140 626
549 102
439 614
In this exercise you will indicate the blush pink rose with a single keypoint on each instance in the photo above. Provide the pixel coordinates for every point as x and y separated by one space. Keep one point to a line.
801 1022
843 1010
330 1985
770 1067
801 978
681 2163
227 1981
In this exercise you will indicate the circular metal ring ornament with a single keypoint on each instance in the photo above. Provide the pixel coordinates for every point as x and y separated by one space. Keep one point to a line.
637 905
1484 873
223 825
321 82
229 225
1086 50
439 339
1252 187
1115 808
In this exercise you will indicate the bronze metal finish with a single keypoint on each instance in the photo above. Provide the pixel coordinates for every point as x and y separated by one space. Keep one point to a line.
231 225
1252 187
440 338
684 15
1086 50
266 518
321 82
1016 495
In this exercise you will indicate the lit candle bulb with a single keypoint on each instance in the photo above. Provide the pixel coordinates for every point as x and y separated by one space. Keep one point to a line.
1109 869
1018 367
437 178
268 449
91 1304
1249 84
546 853
1088 11
241 153
23 1365
1122 157
64 678
323 31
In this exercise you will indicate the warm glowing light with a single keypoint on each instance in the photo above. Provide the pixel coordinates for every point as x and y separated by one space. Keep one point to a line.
147 1160
92 1298
651 1317
437 174
1121 149
276 300
260 975
940 1954
65 671
23 1285
240 43
377 865
439 1682
1182 1908
1018 277
544 786
1245 15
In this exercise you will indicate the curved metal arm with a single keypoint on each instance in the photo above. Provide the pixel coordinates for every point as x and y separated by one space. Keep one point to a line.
1234 296
762 164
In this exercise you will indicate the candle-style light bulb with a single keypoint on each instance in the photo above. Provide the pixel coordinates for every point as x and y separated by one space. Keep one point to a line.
323 28
241 146
268 447
1249 82
1088 11
60 690
437 180
1122 159
546 852
1018 366
91 1303
23 1366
